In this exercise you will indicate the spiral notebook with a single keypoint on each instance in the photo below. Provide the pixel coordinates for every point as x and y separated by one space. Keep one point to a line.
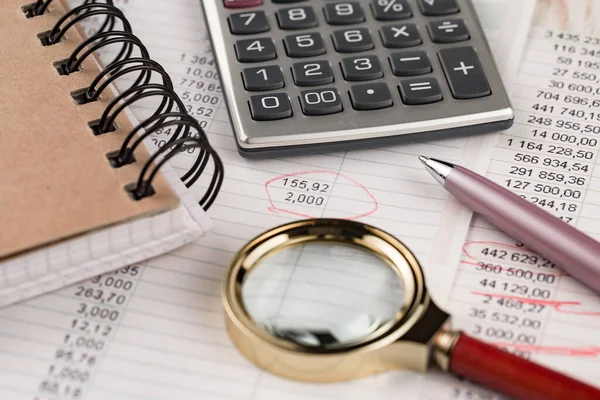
82 190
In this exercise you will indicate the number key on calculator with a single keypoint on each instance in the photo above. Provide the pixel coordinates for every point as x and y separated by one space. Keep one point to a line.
318 75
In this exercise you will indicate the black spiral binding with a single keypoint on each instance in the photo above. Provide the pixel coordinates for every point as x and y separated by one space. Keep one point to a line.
171 112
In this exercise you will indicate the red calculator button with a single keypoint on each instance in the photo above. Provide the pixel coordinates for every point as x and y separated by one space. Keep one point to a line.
242 3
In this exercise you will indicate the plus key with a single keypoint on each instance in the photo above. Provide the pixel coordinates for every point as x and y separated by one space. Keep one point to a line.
464 73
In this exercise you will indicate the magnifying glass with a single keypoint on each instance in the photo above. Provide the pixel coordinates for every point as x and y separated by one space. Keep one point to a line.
329 300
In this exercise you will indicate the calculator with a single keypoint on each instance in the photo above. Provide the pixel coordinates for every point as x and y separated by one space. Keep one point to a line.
327 75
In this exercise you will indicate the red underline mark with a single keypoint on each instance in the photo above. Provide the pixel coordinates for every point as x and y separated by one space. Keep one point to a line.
590 351
550 303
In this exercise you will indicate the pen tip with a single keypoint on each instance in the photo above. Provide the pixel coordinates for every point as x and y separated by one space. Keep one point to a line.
423 159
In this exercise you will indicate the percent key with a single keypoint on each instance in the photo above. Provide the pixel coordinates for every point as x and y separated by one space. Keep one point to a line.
391 10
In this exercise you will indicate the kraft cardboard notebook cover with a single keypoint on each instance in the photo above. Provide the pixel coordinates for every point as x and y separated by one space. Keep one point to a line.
56 181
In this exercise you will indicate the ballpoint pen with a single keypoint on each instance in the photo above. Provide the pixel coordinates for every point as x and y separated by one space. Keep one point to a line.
567 247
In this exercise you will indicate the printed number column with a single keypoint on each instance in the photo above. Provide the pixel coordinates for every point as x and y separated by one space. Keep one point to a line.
98 307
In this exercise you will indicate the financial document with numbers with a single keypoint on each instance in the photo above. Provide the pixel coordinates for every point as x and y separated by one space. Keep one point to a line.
156 330
503 293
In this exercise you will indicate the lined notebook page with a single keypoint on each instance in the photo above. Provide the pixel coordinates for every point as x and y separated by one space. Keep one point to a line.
504 293
156 331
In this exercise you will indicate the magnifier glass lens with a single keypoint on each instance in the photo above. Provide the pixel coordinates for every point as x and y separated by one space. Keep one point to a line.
322 294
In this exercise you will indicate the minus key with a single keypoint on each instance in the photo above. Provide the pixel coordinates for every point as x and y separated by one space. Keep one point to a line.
410 63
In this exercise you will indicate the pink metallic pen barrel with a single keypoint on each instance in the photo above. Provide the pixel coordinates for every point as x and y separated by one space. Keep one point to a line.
570 249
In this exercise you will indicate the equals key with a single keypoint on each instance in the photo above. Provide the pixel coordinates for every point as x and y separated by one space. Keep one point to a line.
420 91
410 63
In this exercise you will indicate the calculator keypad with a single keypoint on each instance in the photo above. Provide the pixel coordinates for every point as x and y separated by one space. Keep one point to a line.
461 67
329 65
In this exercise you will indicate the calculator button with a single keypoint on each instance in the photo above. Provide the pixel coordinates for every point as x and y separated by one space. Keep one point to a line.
312 73
438 7
241 3
248 22
370 96
464 72
361 68
345 13
304 45
268 77
267 107
448 31
253 50
296 18
320 101
352 40
409 63
401 35
390 10
420 91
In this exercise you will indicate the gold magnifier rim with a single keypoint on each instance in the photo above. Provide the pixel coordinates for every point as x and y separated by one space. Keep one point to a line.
391 250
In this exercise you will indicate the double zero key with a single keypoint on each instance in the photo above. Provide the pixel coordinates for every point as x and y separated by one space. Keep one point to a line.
320 101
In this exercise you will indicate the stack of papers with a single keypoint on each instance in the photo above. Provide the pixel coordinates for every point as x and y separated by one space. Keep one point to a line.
156 330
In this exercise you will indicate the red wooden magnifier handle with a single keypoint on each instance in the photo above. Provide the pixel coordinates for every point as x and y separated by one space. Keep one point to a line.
513 375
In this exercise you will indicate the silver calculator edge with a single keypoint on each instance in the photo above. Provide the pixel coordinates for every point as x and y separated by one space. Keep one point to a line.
355 138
